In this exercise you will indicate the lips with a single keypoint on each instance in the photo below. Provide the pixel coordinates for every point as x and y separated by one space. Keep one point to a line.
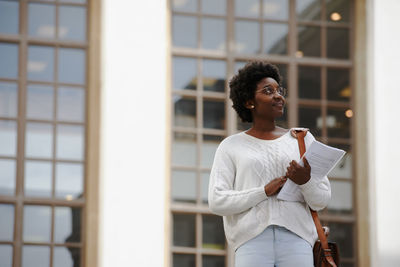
278 104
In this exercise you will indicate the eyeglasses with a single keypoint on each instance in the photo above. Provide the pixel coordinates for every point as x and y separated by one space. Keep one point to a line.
267 90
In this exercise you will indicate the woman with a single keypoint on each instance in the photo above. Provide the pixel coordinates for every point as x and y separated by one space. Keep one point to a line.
249 170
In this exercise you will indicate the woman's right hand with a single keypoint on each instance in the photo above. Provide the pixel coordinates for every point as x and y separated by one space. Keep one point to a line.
274 186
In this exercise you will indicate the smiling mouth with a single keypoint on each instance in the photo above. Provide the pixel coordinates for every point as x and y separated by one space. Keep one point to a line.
280 104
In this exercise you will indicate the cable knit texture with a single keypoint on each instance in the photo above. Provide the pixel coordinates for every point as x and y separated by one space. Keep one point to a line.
243 165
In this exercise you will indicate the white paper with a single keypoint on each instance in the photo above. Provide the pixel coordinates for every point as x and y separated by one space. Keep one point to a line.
322 159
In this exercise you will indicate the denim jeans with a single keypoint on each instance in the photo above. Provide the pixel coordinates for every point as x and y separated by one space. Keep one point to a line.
276 246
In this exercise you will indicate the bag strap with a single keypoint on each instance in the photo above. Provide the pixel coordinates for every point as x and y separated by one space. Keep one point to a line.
299 135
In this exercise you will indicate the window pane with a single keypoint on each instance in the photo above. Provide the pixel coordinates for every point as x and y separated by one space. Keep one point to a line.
210 144
6 255
41 63
39 140
275 38
9 16
215 7
6 222
283 70
342 234
309 82
71 104
185 111
309 41
184 73
183 260
213 232
184 5
72 24
9 60
7 177
8 99
71 65
69 180
213 33
184 230
344 168
247 37
205 180
242 126
276 9
342 197
70 142
40 102
338 10
338 43
338 123
66 257
247 8
338 84
184 30
184 149
38 178
67 225
214 73
310 117
35 256
37 224
214 114
41 20
213 261
8 138
308 9
183 186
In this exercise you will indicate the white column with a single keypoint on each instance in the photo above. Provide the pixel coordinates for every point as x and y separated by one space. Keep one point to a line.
133 133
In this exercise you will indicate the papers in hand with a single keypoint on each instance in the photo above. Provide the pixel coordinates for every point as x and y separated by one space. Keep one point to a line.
322 159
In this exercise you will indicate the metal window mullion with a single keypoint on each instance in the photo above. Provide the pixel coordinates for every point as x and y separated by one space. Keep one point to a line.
293 69
199 239
324 108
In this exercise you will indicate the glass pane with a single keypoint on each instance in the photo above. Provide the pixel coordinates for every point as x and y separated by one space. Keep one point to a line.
35 256
38 178
184 149
71 65
72 24
183 186
213 261
276 9
184 230
213 33
338 43
308 9
184 31
66 257
70 142
239 65
9 60
213 232
7 178
9 16
37 223
185 111
275 38
283 70
309 82
41 20
344 168
210 145
71 104
214 73
6 222
310 117
342 234
247 8
338 123
215 7
40 102
69 180
342 197
8 138
183 260
338 10
247 37
8 99
41 63
338 84
184 5
67 225
184 73
205 180
309 41
6 255
214 114
39 140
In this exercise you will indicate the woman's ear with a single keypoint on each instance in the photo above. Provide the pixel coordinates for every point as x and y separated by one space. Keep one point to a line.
249 104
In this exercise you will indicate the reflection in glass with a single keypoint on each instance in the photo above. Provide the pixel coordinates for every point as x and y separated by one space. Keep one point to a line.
8 99
9 12
70 142
67 225
184 230
71 104
342 233
183 186
341 7
214 114
338 43
35 256
184 149
184 5
213 232
184 31
9 60
37 223
185 111
8 138
6 255
41 20
276 9
309 38
338 84
337 123
247 8
71 65
6 222
214 73
309 82
275 38
72 29
344 168
38 180
40 63
210 144
342 197
69 180
310 117
214 261
39 140
247 37
66 257
213 33
184 73
183 260
205 180
39 103
214 7
308 9
7 177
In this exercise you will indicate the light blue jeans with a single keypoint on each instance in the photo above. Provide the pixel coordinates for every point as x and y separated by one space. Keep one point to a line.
276 246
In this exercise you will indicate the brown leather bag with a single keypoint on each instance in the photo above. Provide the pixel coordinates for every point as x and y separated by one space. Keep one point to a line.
326 254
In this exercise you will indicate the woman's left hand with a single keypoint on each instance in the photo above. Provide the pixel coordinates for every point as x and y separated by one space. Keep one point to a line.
298 174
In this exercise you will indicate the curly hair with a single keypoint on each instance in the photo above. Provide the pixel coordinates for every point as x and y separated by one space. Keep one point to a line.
243 85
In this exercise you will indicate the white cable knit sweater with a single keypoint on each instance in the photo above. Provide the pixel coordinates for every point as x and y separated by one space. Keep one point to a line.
243 165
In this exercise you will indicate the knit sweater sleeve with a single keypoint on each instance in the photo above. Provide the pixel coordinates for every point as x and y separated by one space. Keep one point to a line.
223 199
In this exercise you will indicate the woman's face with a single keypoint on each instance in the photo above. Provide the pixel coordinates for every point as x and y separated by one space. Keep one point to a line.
268 102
